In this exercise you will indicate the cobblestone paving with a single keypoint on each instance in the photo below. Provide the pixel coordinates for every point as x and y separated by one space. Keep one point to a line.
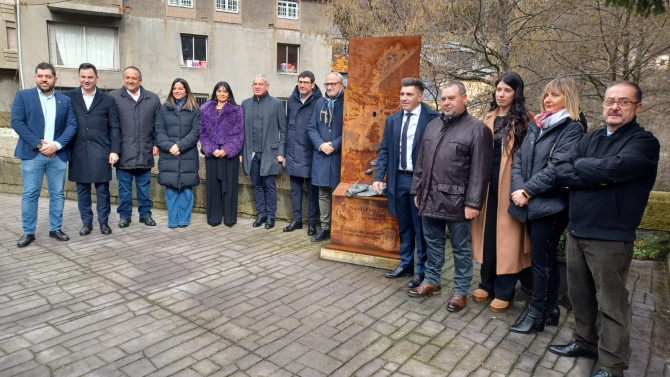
202 301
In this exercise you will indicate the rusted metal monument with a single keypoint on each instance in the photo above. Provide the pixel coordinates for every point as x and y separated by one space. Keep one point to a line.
362 232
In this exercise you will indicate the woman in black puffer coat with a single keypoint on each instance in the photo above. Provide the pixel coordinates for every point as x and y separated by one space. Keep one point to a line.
538 201
177 133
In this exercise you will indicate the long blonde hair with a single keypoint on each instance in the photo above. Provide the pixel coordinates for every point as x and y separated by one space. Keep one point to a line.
570 90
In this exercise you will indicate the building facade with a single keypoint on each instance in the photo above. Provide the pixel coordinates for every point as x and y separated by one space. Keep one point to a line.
202 41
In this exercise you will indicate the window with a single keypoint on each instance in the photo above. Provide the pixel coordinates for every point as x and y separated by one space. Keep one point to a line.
232 6
287 58
181 3
287 9
194 51
70 45
201 98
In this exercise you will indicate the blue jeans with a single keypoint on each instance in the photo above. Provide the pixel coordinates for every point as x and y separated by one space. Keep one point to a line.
433 230
33 172
409 226
179 205
102 203
264 188
142 181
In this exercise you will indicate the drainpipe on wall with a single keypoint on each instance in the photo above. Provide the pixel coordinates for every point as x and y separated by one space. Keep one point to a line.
18 36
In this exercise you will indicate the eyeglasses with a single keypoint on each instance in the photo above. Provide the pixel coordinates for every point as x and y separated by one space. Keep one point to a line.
304 82
327 84
623 103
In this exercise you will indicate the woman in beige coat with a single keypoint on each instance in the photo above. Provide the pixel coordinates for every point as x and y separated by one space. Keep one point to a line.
500 242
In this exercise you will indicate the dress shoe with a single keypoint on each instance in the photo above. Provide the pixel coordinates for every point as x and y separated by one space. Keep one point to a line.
416 280
148 221
86 229
311 229
456 303
59 235
323 234
25 240
425 289
400 271
572 350
105 229
259 221
480 295
124 222
500 306
270 223
293 226
603 373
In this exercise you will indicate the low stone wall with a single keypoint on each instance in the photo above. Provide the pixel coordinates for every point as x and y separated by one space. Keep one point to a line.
10 182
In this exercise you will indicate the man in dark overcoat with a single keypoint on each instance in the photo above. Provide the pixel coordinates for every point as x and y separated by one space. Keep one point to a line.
95 147
263 149
325 131
396 160
299 150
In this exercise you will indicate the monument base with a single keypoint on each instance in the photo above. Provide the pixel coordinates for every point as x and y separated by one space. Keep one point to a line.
358 258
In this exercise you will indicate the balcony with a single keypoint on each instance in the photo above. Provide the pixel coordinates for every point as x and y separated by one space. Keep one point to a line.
105 8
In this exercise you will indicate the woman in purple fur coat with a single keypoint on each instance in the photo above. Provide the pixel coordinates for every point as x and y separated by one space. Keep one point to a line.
221 138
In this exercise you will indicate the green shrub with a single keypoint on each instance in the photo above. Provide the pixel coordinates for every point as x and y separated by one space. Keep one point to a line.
647 248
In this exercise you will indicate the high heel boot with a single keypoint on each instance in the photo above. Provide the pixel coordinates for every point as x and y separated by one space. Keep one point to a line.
532 321
552 315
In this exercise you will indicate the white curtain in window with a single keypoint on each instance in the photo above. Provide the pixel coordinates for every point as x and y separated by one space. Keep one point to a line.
100 47
70 43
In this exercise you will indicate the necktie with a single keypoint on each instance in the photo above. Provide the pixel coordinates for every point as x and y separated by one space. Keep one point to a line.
403 143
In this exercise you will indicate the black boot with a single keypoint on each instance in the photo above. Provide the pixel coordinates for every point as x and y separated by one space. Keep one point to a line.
552 315
532 321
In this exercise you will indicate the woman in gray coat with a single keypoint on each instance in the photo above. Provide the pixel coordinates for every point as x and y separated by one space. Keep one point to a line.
177 133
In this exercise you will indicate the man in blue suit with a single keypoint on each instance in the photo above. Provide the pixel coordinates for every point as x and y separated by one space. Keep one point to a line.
45 123
395 160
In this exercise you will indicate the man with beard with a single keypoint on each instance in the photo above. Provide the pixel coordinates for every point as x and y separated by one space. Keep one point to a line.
325 131
299 150
45 123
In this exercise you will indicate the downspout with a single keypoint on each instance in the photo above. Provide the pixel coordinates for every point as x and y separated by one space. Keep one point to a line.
18 36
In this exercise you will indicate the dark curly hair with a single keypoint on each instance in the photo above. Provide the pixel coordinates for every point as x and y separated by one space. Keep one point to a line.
517 118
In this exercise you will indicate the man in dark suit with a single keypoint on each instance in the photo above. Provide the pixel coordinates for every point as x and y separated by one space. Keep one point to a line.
396 158
95 147
45 123
263 150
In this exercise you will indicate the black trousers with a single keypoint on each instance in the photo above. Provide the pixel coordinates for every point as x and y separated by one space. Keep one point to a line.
221 189
500 286
545 233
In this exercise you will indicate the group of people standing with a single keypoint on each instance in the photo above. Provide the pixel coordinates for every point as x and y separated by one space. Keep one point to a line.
507 188
126 128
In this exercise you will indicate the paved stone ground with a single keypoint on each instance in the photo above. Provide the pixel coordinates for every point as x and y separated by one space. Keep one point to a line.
239 301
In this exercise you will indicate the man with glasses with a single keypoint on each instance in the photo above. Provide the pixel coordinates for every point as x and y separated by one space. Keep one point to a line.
325 131
299 150
263 149
610 173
